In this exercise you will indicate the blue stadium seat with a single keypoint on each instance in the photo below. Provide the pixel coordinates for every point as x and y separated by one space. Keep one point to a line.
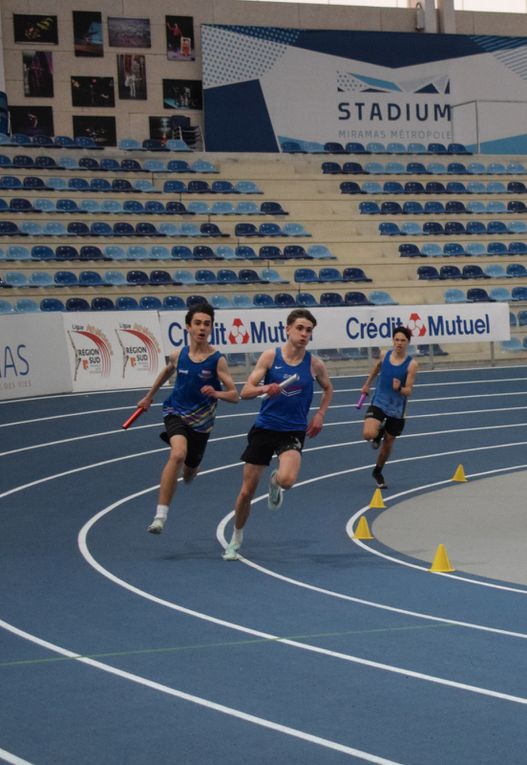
65 279
454 295
284 300
329 274
331 299
427 273
114 278
478 295
102 304
90 279
25 305
77 304
173 303
126 303
473 271
381 297
516 271
137 278
354 298
150 303
306 300
51 304
450 272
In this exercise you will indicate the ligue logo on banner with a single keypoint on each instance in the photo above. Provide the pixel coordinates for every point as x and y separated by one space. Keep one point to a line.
140 349
92 351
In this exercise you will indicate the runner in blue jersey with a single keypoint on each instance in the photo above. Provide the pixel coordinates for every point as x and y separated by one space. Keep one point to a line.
202 379
283 420
384 419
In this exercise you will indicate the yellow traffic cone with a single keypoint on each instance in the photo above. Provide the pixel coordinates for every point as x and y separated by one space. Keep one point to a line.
362 530
377 501
459 475
441 563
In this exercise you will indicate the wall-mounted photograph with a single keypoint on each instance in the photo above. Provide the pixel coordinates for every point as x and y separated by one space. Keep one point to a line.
182 94
41 29
131 76
87 33
32 120
180 38
129 33
99 129
92 91
37 66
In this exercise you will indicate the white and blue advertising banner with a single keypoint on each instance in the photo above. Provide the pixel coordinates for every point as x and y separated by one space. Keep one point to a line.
255 330
108 350
265 86
33 359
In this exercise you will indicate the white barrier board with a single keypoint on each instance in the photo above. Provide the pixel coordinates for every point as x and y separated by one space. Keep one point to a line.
253 330
33 359
113 350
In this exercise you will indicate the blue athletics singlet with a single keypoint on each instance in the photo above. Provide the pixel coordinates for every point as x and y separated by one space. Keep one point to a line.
392 403
289 410
186 399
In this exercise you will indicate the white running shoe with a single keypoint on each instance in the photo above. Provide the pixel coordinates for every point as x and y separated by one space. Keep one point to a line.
231 551
157 526
276 493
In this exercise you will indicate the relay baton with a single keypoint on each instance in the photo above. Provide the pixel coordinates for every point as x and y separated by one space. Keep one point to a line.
284 384
133 417
362 399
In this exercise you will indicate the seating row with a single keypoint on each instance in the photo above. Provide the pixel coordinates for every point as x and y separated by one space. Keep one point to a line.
107 164
373 147
433 187
175 302
135 207
160 252
479 294
123 185
452 207
138 278
453 249
419 168
121 228
453 228
493 271
85 142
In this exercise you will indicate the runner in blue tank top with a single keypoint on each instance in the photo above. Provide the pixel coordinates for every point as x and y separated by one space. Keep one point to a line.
203 379
282 422
384 419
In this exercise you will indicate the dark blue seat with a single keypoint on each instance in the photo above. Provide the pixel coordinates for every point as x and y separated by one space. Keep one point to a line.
414 187
456 187
77 304
137 278
65 279
150 303
478 295
51 304
306 300
334 147
223 187
369 208
350 187
354 274
305 276
121 185
433 228
270 252
450 272
496 227
329 274
245 229
389 229
453 249
473 271
173 303
146 229
435 187
413 208
330 299
212 229
284 300
160 277
89 163
126 303
249 276
78 184
91 252
244 252
391 208
90 279
355 298
176 208
67 206
295 252
203 252
436 148
198 187
331 168
263 300
178 166
102 304
78 228
122 228
355 147
409 251
427 273
195 300
454 228
476 228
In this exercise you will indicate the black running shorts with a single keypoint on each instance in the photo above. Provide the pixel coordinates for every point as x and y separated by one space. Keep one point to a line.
196 441
262 444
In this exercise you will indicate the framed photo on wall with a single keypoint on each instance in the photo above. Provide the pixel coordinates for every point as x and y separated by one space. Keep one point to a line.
92 91
32 120
182 94
87 33
37 66
99 129
131 76
180 38
35 29
129 33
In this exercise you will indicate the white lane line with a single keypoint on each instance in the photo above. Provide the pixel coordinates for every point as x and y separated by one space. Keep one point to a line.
199 701
12 758
84 550
394 559
247 414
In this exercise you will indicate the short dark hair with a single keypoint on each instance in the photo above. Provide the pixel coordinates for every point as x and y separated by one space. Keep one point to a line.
301 313
199 308
404 330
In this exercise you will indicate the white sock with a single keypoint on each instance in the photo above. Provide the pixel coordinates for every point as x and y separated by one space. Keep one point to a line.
162 512
237 536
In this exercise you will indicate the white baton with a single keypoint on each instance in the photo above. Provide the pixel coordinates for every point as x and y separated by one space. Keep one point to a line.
283 384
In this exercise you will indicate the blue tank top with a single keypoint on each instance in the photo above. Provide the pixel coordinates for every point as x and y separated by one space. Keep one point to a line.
289 410
385 397
186 399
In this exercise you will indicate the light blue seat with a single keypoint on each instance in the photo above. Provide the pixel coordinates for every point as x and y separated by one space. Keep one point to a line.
516 227
410 228
294 229
272 275
144 185
198 207
495 271
221 302
111 206
44 204
432 250
496 187
372 187
222 208
476 187
183 276
6 306
54 228
90 206
242 301
436 168
203 166
16 279
115 252
26 305
177 144
225 251
375 168
31 228
320 252
476 168
189 229
114 278
169 229
154 166
500 294
512 345
454 295
17 252
248 187
476 207
380 297
247 208
41 279
475 249
160 252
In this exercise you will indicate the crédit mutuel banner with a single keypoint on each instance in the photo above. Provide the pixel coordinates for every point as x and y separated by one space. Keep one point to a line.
254 330
107 350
